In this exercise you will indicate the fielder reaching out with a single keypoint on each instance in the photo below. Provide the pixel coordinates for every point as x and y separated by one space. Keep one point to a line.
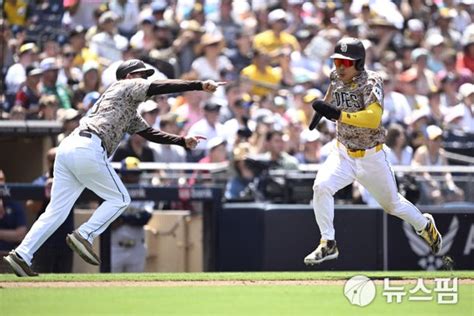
81 161
355 100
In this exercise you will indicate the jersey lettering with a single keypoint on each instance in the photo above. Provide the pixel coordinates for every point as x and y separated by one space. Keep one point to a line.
346 100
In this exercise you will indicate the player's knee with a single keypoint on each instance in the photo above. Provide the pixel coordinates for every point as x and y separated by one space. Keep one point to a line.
390 207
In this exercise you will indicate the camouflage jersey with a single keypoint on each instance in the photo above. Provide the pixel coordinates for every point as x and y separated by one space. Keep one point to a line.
365 89
115 113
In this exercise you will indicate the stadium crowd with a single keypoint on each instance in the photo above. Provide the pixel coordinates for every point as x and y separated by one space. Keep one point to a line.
57 57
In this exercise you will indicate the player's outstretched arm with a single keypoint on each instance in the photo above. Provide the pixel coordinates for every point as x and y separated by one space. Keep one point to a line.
177 85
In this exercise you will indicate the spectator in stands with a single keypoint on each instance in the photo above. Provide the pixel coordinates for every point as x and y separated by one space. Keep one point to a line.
460 75
237 188
449 88
276 38
184 45
16 74
127 12
149 110
240 116
240 56
69 75
436 46
466 107
465 59
48 106
90 82
81 13
416 130
12 221
437 110
305 111
145 39
17 113
7 49
209 127
260 75
407 84
215 151
276 154
70 119
108 44
443 25
77 40
50 69
29 94
44 19
53 256
168 153
227 25
191 108
396 107
400 153
15 11
433 154
211 64
128 250
424 78
311 144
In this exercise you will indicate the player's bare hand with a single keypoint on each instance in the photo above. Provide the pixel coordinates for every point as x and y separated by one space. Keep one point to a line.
211 85
192 141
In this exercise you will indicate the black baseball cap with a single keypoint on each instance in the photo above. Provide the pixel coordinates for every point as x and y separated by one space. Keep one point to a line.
132 66
349 48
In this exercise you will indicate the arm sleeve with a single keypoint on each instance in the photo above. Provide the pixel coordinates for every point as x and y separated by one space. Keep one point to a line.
173 86
156 136
368 118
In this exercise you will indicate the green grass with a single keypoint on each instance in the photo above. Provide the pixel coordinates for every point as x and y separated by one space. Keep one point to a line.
294 300
244 276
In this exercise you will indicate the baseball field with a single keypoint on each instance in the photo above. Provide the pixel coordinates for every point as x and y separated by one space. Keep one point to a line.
268 293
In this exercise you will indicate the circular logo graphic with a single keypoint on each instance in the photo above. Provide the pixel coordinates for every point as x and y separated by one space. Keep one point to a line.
360 290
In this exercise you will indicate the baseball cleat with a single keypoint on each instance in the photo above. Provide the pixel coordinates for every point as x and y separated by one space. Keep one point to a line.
83 248
326 250
431 234
18 265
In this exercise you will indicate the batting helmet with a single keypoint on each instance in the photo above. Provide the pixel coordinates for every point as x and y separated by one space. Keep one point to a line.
350 48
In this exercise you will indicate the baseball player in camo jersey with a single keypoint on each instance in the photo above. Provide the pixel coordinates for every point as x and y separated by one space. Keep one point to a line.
354 100
82 161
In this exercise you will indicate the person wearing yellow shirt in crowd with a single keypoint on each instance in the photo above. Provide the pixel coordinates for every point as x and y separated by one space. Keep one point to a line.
276 38
262 77
15 11
77 39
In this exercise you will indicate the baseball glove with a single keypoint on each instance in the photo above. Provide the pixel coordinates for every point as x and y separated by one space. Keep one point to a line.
326 110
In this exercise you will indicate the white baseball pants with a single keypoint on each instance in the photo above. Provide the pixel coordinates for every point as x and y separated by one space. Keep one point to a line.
80 163
374 172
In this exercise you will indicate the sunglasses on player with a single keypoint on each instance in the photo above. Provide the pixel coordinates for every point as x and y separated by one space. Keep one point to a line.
344 62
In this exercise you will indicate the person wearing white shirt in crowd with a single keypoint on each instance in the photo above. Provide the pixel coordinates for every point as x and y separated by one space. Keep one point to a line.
16 74
128 13
465 109
396 106
108 44
209 126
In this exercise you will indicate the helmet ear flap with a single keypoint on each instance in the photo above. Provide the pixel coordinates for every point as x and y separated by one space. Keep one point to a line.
359 64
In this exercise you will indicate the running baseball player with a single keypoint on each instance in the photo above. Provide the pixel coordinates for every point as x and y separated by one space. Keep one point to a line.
81 161
354 100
